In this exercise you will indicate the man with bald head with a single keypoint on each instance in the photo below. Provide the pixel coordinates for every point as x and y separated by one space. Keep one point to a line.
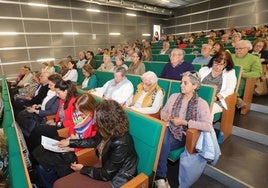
176 66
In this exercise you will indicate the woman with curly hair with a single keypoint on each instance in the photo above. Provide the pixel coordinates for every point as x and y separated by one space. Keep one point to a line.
115 149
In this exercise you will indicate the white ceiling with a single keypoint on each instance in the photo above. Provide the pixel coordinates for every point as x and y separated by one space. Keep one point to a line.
167 3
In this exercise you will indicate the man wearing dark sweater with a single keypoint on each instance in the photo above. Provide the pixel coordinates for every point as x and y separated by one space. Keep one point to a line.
176 66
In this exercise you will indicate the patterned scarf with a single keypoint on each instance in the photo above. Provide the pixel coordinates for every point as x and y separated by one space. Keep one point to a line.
149 97
191 114
81 124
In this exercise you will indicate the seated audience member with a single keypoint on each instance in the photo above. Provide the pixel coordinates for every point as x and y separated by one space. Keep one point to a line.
72 73
119 89
26 78
56 165
50 67
220 72
67 93
211 41
217 47
149 96
107 64
191 43
14 82
182 111
137 66
250 63
63 68
99 51
180 43
91 60
165 49
176 66
113 53
39 95
128 53
90 81
119 62
205 52
27 92
235 38
118 159
82 59
260 49
156 36
147 54
225 39
36 114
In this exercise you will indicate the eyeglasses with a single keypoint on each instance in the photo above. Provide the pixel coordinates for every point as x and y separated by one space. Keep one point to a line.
239 49
134 56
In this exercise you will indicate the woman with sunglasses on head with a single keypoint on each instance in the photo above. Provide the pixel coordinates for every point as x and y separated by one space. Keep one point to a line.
220 72
54 165
182 111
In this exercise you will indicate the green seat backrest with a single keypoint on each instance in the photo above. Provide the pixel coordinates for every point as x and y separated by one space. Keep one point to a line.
189 57
57 68
127 63
197 67
157 67
98 57
146 145
80 77
156 51
165 85
103 77
134 79
164 57
98 63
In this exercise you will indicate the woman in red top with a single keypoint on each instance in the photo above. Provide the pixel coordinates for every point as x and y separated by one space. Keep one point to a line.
52 165
67 93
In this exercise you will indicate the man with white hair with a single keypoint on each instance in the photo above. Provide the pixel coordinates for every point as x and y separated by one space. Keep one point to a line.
165 48
205 52
251 64
149 96
176 66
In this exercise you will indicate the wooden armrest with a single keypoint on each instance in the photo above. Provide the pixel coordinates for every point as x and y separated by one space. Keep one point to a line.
50 117
227 118
248 94
140 181
192 136
87 156
157 114
64 132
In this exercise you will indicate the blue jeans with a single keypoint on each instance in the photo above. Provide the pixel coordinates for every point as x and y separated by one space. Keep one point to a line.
169 144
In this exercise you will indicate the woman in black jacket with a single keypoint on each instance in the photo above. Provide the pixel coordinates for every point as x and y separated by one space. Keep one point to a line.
114 147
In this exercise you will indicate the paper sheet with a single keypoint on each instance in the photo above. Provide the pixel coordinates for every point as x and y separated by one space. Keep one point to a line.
47 143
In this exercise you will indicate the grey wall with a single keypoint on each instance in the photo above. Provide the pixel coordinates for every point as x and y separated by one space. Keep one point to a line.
218 14
40 30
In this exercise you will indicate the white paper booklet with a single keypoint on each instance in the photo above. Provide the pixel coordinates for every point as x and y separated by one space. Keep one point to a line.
47 143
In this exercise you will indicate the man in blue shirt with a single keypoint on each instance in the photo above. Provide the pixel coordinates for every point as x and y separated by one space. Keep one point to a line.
176 66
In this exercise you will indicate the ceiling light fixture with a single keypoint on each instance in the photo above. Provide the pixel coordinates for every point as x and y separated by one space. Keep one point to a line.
8 33
38 4
146 34
131 14
93 10
115 34
70 33
45 59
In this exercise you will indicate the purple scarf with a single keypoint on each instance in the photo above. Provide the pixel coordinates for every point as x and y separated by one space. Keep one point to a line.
191 114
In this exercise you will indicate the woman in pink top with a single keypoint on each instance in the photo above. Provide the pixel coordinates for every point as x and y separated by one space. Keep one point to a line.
182 111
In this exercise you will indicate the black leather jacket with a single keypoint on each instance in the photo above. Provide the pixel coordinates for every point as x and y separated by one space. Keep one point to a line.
119 159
